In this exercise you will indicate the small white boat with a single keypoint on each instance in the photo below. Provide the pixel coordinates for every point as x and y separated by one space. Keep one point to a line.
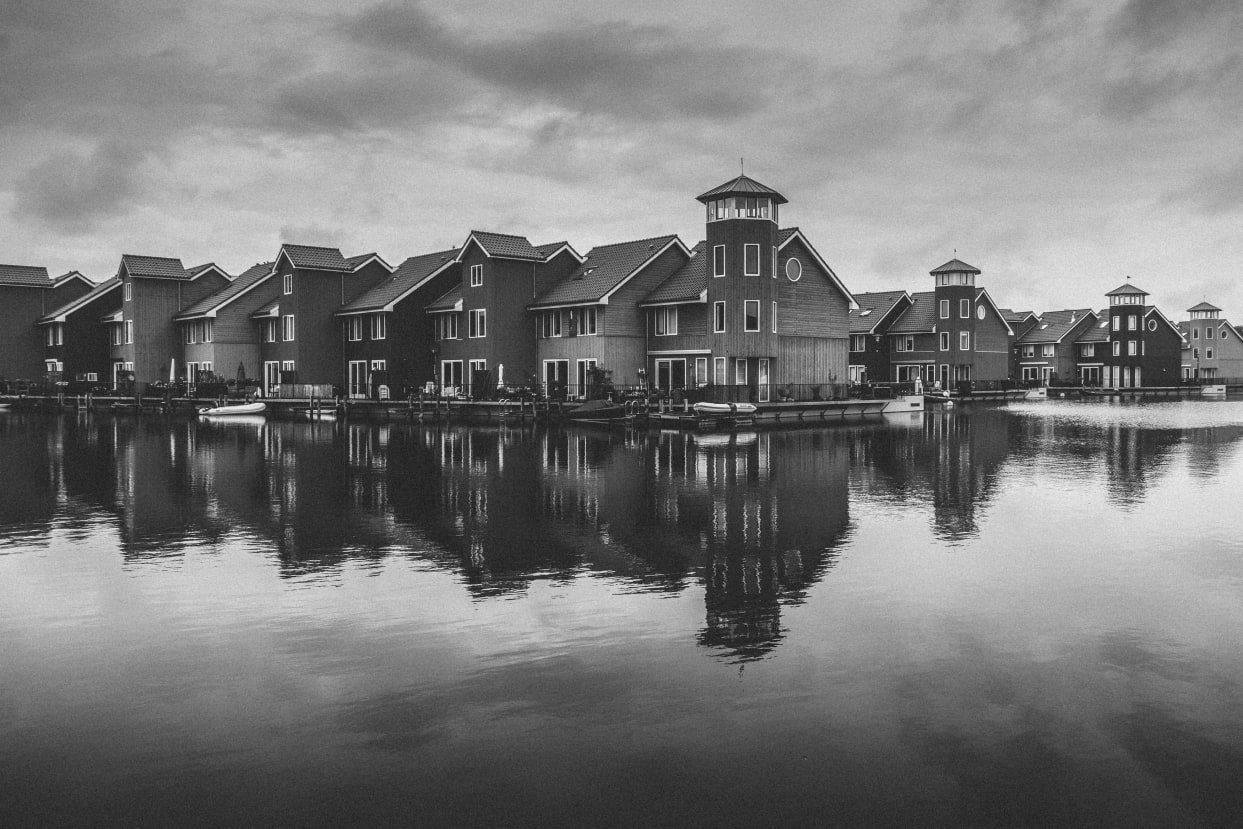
724 409
1214 391
233 409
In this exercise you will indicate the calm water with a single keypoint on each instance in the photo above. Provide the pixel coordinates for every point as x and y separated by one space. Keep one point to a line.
1028 615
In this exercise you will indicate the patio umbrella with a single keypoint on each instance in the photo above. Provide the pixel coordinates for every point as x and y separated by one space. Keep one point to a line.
500 375
172 370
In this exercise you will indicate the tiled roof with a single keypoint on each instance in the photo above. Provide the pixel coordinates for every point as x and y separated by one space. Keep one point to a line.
153 267
1012 316
1125 289
1099 332
1204 306
686 284
604 268
784 234
447 302
248 278
954 266
65 277
920 317
24 275
549 249
407 277
742 186
1054 325
271 309
199 269
88 297
315 259
872 309
504 246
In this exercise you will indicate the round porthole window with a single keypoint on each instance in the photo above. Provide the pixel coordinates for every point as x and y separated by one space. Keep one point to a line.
1152 325
979 311
794 269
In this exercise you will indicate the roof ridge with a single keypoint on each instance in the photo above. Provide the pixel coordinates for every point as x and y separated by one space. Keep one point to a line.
635 241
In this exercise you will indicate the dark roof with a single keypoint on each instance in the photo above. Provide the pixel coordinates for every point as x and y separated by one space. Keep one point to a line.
742 186
65 277
90 296
247 279
24 275
872 309
153 267
1204 306
1054 325
1015 316
1126 288
550 248
316 259
920 317
354 261
954 266
686 284
784 234
447 302
1097 333
604 268
268 309
408 276
197 270
504 246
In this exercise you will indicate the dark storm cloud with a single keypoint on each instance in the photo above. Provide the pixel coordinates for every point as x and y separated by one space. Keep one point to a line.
70 191
618 68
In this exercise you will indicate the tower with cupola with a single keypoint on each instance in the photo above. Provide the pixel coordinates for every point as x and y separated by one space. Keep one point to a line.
742 292
957 310
1128 309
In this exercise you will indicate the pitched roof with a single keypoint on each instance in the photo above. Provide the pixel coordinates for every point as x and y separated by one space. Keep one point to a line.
742 186
449 301
920 317
1012 316
199 270
1126 288
687 284
1097 333
1054 325
504 246
270 309
66 277
603 269
25 276
212 302
93 294
315 258
1204 306
872 309
785 236
409 275
153 267
954 266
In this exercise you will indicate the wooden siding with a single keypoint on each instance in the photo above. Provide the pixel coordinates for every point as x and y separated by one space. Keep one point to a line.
811 360
625 317
507 289
547 274
692 329
623 356
813 306
21 341
735 289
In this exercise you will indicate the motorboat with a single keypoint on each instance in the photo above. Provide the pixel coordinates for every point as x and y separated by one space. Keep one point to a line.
600 411
234 409
724 409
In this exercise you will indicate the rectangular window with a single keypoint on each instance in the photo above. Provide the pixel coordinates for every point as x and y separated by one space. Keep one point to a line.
476 275
129 331
1088 350
1208 353
446 327
1131 349
269 330
1195 353
945 341
191 333
1195 333
701 371
1208 333
1117 323
774 263
379 326
964 308
477 323
858 342
208 330
287 328
751 260
751 315
774 316
964 340
129 291
667 321
379 365
1029 351
945 309
718 316
718 371
354 329
287 365
588 328
1046 350
904 344
1131 322
287 283
1117 348
718 260
116 335
740 371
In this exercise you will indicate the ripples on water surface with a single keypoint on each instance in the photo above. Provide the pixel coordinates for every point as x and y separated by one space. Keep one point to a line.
991 616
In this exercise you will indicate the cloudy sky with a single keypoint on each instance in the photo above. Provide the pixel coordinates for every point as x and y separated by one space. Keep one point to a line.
1058 146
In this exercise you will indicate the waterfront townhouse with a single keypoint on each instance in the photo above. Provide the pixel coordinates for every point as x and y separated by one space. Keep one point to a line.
76 339
676 322
146 338
388 335
953 334
1145 347
869 347
482 324
27 293
217 333
1049 349
301 338
1212 347
592 319
1091 347
1020 323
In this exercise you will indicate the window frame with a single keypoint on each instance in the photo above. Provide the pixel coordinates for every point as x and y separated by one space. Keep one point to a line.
944 341
747 319
718 317
289 328
476 276
379 326
718 261
747 248
287 284
477 324
964 340
354 329
945 309
129 332
964 309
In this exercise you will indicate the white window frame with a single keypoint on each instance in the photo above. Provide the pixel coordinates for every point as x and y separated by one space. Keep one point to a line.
1208 353
191 333
964 340
718 370
476 276
446 326
1046 350
129 332
354 329
271 330
746 316
1117 348
589 324
740 371
477 323
1117 322
774 316
1132 322
964 309
701 371
665 321
945 309
379 326
287 365
1131 350
129 291
746 259
209 332
718 317
943 340
1087 350
718 260
289 328
287 284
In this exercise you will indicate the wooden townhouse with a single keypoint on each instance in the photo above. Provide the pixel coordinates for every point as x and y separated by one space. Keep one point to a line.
1145 347
1049 349
388 336
146 338
1091 347
1020 323
592 319
27 293
953 334
869 323
484 332
217 333
301 341
1212 347
76 338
